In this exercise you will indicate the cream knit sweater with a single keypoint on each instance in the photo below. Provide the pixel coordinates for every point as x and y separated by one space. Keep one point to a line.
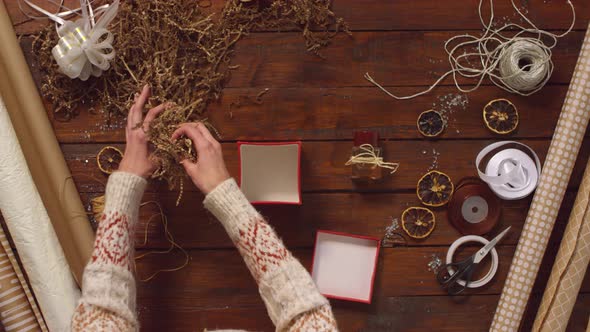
108 293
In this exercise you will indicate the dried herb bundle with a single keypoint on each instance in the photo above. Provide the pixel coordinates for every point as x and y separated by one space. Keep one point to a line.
184 53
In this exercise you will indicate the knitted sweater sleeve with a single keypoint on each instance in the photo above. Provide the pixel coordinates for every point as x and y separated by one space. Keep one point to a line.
290 295
108 284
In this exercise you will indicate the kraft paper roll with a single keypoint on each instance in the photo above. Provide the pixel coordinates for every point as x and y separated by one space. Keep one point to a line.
33 234
569 267
555 176
42 152
18 310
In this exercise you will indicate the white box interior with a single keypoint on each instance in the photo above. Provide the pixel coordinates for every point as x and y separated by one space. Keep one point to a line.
270 173
344 266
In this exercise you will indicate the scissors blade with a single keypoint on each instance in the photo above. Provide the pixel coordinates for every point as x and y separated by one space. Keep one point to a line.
485 250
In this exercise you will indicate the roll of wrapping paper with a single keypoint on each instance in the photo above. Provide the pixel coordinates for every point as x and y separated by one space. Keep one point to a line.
474 209
569 267
42 152
32 232
18 310
555 176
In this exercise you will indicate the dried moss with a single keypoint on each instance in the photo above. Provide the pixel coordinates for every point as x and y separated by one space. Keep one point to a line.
184 53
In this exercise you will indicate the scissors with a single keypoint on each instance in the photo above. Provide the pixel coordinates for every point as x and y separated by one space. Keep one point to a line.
464 269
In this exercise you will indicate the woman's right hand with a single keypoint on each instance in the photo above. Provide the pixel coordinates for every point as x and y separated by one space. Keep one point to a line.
209 170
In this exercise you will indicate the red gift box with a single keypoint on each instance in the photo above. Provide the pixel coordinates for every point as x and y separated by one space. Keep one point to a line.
270 173
344 265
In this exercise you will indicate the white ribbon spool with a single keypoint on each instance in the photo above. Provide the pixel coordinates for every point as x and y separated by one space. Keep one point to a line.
511 173
85 47
475 209
495 261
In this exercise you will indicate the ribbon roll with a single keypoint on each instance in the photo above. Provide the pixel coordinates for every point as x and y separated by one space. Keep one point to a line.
493 253
474 209
85 48
512 170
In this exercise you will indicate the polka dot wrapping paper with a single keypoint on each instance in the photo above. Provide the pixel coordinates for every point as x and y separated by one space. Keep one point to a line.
553 182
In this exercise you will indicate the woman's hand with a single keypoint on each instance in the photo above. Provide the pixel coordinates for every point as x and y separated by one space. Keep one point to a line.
135 160
209 170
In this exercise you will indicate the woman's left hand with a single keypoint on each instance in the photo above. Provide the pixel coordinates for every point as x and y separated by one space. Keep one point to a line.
136 157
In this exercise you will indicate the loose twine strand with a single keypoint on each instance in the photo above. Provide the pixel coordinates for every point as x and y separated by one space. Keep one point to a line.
520 64
369 156
98 203
169 238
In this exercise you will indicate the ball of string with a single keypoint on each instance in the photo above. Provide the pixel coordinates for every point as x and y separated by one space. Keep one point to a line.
515 58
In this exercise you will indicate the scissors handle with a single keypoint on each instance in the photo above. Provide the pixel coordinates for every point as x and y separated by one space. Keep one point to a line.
450 281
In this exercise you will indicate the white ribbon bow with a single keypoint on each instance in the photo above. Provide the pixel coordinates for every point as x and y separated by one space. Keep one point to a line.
85 46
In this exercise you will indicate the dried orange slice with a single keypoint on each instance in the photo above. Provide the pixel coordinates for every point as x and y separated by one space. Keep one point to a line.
108 159
435 189
430 123
500 116
418 222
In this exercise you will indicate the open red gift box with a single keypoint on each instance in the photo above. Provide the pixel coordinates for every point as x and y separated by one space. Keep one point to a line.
344 265
270 173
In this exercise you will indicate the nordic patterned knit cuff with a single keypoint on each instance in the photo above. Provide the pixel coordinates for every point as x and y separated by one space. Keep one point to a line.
289 291
124 192
229 205
110 287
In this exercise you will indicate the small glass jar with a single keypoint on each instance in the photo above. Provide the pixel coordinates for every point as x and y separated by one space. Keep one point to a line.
366 172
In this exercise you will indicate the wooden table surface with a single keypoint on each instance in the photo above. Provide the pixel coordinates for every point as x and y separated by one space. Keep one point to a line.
321 102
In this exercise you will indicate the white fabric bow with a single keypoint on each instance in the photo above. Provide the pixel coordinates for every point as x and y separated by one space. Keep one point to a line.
85 48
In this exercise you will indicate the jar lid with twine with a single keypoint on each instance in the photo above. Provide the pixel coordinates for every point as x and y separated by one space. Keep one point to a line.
368 156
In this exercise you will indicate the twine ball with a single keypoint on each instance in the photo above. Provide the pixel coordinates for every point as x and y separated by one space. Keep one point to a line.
525 65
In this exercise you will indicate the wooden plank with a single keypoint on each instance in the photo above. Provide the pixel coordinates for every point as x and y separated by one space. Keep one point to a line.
25 25
454 15
399 15
350 213
21 20
411 314
401 271
303 114
333 113
280 60
323 169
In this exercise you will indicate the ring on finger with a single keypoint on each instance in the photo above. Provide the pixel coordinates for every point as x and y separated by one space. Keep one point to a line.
145 127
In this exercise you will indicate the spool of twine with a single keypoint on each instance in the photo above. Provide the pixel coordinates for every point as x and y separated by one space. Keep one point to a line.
515 58
525 65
